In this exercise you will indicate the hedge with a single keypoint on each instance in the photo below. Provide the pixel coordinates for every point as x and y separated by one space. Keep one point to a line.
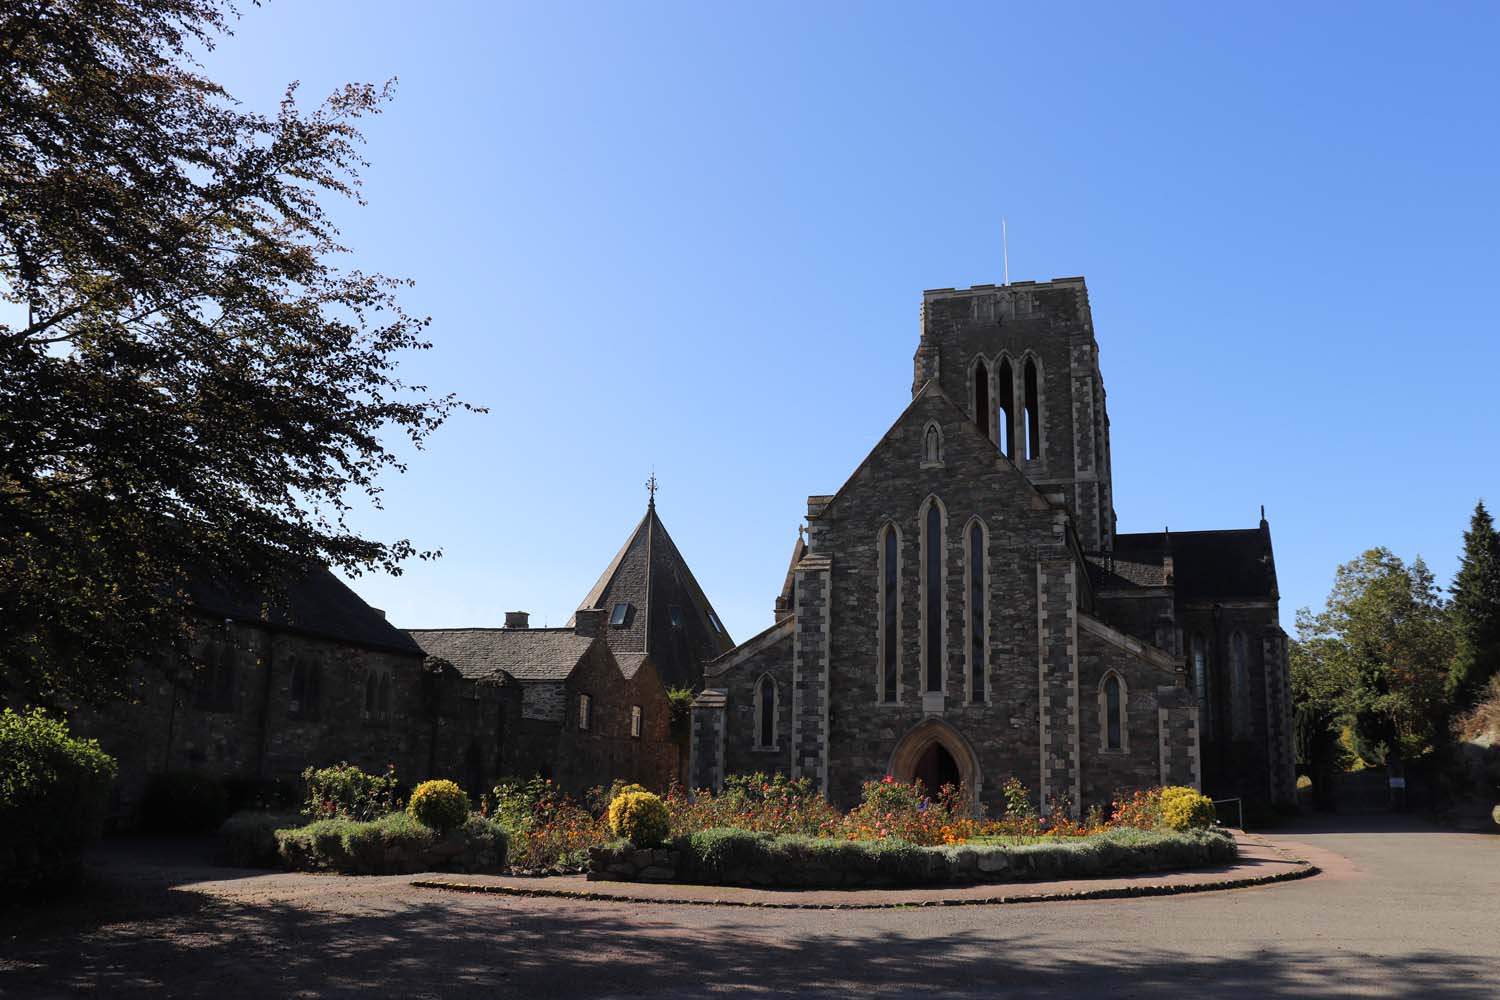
248 839
54 793
729 856
392 845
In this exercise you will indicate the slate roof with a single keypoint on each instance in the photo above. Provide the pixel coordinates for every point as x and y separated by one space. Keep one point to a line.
317 604
1231 564
650 575
527 654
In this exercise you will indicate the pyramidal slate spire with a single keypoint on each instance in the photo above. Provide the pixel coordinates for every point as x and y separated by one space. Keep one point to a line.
655 605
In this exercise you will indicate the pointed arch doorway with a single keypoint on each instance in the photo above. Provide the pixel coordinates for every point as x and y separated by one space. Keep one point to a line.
936 754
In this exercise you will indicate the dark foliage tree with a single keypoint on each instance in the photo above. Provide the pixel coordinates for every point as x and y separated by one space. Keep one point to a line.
1375 659
1476 610
188 377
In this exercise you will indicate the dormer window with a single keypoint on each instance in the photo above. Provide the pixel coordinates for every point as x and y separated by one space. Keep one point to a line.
618 613
675 613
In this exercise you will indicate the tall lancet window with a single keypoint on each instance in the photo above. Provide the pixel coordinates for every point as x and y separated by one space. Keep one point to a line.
1033 413
977 618
982 396
1201 681
1114 713
932 598
1007 412
1239 686
765 713
890 602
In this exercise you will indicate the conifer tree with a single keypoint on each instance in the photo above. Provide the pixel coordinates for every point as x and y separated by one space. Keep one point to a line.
1476 610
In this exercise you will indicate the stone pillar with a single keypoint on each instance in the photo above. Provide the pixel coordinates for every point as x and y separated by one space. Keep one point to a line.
706 742
1177 736
810 648
1085 470
1281 763
1057 679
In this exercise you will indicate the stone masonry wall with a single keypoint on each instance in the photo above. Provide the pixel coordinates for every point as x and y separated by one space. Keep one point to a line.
174 720
972 480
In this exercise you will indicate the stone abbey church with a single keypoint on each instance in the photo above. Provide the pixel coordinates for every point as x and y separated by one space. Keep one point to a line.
963 609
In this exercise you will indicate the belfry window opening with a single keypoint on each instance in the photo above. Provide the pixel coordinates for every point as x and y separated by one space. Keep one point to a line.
1006 426
1033 413
982 397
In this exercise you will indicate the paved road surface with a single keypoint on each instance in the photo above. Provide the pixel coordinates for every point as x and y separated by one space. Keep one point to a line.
1403 910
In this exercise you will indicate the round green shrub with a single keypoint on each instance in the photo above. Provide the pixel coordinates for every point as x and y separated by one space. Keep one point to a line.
439 804
640 818
184 802
54 791
1184 808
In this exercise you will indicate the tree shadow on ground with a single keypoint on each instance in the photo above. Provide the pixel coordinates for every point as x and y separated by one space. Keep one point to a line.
419 944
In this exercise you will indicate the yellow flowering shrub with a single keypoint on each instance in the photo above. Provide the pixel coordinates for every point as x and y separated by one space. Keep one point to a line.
439 804
639 817
1184 808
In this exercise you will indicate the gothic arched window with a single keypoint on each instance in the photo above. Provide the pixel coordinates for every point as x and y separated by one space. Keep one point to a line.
932 597
1006 427
978 621
1033 412
765 712
1239 686
890 604
982 396
1201 682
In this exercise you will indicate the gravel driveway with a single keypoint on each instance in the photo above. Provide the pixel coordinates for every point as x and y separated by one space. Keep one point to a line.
1401 910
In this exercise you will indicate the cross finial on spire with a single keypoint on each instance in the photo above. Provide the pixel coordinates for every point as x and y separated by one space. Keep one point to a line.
651 490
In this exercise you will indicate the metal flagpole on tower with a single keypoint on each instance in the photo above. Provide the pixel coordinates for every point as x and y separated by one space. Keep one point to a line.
1005 249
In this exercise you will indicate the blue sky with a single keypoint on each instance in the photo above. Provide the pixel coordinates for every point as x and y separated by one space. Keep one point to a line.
694 237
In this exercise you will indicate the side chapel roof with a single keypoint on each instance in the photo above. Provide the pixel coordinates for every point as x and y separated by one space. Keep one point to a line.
317 603
1206 565
527 654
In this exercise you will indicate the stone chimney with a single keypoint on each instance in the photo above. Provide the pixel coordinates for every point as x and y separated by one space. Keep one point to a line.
589 622
517 619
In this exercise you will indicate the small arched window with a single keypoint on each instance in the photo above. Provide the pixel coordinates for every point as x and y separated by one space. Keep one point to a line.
890 603
1112 711
1006 429
372 694
1033 413
765 713
384 708
982 396
1239 685
978 631
932 597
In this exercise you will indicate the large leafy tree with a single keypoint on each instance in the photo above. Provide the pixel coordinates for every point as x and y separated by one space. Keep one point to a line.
189 376
1476 609
1376 658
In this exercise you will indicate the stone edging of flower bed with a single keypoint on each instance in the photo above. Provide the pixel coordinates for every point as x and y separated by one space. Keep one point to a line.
1304 869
